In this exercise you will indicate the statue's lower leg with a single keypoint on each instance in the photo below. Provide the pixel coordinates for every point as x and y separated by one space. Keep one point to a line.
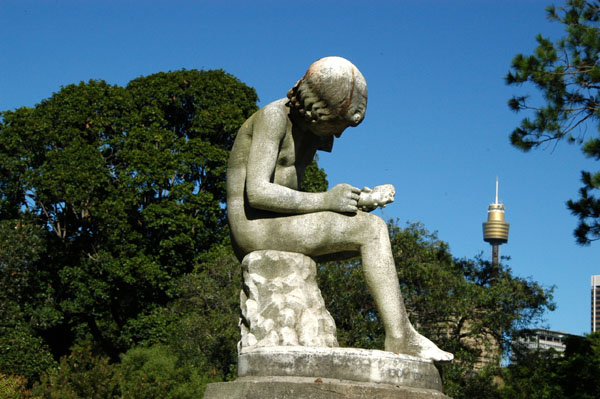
382 280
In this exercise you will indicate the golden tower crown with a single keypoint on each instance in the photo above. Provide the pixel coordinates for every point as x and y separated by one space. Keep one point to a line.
495 230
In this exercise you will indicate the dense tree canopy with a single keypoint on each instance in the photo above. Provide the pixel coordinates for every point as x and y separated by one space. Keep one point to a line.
122 189
567 72
545 374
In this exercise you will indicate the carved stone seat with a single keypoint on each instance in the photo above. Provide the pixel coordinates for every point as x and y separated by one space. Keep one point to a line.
282 304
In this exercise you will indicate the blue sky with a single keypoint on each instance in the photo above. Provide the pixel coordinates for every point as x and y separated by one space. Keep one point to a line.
437 123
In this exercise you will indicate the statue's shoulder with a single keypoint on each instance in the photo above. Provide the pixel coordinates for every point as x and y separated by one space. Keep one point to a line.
270 121
275 112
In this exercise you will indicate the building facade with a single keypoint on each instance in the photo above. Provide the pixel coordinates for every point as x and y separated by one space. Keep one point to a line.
595 303
542 339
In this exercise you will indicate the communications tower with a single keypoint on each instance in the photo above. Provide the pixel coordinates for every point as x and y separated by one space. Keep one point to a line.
495 230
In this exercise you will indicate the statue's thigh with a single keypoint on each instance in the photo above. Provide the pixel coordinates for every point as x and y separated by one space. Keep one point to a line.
317 233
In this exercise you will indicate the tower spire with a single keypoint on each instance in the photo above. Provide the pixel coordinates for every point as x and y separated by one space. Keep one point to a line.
496 190
495 230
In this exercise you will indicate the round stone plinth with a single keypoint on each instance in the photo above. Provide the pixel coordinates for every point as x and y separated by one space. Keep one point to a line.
312 388
349 364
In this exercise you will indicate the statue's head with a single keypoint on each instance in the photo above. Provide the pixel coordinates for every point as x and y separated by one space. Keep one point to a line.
332 92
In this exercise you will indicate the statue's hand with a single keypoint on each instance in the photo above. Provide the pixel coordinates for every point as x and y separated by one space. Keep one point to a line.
342 198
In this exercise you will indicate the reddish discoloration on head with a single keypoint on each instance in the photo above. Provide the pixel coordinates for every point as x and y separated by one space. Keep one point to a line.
331 88
340 84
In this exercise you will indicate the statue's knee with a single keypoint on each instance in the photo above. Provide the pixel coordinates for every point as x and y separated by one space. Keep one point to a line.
374 225
381 225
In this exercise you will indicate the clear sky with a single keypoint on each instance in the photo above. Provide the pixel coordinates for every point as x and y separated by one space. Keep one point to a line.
437 123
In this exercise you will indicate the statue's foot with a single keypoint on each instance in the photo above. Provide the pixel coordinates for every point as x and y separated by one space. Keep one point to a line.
414 344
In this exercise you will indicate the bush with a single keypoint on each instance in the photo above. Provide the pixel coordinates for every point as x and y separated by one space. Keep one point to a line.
23 353
79 375
13 387
155 373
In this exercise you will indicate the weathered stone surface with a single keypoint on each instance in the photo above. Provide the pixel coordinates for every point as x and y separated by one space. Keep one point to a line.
350 364
312 388
282 304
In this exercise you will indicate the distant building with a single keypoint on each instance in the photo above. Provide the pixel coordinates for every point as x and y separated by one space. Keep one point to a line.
595 303
540 338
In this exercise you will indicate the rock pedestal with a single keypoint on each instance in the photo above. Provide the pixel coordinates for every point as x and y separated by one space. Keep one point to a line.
289 347
282 304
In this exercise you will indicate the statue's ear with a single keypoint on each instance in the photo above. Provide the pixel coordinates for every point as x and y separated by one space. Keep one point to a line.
325 144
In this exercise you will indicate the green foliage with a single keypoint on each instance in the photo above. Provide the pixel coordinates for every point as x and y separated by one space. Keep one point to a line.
580 369
207 302
466 306
143 373
532 375
567 73
118 191
545 374
202 335
480 384
79 375
25 307
315 179
155 373
13 387
201 339
23 353
351 305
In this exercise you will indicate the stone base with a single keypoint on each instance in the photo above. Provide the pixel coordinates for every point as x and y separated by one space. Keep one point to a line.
303 372
349 364
312 388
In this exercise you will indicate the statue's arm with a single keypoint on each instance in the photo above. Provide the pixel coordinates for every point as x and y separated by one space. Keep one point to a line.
268 131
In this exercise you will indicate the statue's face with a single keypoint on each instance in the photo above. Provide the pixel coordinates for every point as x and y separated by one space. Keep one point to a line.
332 127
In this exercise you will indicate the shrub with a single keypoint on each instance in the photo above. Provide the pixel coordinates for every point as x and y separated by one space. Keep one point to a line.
154 372
79 375
13 387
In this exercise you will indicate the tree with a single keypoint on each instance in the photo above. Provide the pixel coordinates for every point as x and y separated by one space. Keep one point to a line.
156 373
532 374
545 374
579 370
315 178
22 352
207 302
124 186
13 387
567 73
81 374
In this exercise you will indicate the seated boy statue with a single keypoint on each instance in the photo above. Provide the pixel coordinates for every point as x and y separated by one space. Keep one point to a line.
266 210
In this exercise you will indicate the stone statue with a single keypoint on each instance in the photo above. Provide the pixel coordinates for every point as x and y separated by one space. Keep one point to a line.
267 212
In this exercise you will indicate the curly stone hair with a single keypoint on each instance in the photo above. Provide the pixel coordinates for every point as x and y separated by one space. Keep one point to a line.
327 89
307 103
